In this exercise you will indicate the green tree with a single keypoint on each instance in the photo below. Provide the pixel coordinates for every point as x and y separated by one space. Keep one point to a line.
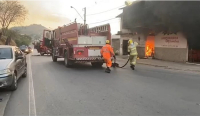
23 40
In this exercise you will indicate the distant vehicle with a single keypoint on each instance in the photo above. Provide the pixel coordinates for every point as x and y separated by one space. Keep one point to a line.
24 49
30 50
43 46
12 66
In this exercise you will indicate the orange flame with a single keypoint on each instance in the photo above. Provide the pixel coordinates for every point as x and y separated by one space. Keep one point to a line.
149 49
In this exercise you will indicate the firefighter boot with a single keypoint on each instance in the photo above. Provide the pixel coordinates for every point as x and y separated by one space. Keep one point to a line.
132 67
107 70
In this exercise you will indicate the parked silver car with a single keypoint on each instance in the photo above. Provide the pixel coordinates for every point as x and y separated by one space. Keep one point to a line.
12 66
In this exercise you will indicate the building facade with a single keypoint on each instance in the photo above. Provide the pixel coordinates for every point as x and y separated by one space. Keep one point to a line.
116 44
169 47
172 47
126 34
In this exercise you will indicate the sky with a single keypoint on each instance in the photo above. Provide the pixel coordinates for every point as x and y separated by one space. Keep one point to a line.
54 13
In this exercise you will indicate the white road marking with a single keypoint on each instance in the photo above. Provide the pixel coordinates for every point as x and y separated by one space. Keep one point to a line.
32 107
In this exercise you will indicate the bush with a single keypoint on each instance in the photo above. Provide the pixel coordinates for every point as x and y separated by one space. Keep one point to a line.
3 40
17 39
23 40
12 43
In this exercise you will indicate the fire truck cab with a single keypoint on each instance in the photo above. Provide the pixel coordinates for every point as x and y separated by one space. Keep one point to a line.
45 44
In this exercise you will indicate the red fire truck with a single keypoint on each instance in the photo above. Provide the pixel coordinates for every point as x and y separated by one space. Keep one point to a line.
44 46
77 43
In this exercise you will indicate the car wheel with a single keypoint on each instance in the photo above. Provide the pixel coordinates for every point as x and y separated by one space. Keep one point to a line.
13 87
54 58
42 54
25 72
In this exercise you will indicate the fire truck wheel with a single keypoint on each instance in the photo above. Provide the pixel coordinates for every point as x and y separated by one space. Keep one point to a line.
42 54
97 64
54 58
68 63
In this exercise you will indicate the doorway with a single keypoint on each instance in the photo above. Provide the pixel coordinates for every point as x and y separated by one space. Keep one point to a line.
149 46
125 47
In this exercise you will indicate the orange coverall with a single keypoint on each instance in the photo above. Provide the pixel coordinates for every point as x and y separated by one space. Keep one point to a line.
107 52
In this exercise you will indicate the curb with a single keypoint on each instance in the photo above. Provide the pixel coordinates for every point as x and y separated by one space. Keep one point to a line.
5 96
172 68
192 63
151 64
166 67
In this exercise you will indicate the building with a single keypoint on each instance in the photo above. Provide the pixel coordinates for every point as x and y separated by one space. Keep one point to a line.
169 47
126 34
116 44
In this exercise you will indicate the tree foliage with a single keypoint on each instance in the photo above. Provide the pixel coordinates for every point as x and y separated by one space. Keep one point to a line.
11 12
165 16
17 38
23 40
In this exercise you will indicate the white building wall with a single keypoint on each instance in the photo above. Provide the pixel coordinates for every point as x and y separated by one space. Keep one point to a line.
171 47
170 41
117 37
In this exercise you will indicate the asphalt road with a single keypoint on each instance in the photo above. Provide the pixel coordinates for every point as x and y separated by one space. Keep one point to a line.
51 90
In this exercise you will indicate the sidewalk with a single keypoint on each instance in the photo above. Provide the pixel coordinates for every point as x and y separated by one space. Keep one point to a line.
165 64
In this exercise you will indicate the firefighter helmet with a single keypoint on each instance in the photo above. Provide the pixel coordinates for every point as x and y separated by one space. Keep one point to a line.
107 41
130 41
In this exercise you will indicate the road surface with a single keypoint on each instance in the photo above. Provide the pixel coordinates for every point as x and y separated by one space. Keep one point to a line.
51 90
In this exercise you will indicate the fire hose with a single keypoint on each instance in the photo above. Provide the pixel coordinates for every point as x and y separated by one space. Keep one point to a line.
117 65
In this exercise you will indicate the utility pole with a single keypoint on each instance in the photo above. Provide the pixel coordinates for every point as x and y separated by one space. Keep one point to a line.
85 16
85 28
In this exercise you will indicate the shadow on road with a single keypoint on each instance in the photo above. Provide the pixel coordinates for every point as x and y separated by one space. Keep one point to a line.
81 66
41 56
36 55
2 90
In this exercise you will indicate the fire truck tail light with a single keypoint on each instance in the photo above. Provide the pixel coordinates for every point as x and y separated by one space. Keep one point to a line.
79 53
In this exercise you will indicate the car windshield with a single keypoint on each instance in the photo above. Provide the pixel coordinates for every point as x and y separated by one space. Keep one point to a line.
23 47
5 53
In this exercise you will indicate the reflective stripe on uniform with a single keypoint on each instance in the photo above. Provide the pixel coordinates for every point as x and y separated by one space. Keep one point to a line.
105 50
132 49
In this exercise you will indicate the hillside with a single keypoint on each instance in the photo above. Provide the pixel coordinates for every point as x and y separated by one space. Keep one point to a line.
34 30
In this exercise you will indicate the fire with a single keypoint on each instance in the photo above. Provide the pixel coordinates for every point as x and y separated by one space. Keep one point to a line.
149 50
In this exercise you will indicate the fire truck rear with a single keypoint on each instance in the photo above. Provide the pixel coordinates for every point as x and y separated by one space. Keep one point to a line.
76 43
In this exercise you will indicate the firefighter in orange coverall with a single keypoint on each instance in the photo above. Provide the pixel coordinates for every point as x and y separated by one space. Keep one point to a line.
107 53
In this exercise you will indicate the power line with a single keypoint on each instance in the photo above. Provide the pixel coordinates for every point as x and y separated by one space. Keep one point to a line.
102 21
105 11
92 5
